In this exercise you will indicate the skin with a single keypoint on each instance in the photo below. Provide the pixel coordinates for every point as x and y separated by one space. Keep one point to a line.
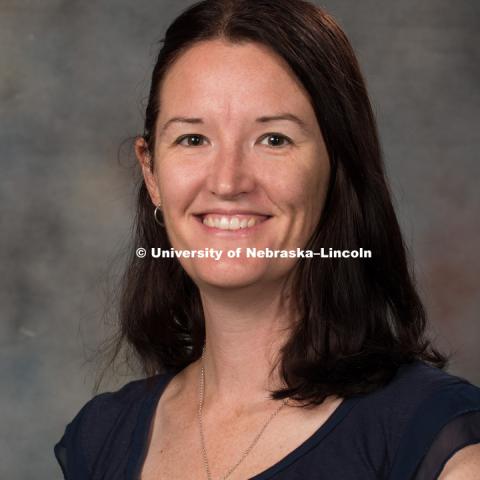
235 165
464 465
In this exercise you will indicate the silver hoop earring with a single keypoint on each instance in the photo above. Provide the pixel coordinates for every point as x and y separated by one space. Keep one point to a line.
155 215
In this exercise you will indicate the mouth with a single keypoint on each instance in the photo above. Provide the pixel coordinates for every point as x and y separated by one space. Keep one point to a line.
233 222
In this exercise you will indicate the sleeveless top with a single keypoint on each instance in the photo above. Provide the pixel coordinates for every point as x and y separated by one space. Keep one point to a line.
407 429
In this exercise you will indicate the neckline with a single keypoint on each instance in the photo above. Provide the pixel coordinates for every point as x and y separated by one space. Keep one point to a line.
150 402
322 431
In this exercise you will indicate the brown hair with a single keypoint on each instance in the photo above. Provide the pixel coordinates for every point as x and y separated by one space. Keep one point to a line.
360 319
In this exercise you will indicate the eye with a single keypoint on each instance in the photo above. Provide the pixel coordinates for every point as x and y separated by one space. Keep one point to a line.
275 140
190 140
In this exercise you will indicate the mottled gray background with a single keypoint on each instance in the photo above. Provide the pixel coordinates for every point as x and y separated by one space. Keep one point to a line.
73 78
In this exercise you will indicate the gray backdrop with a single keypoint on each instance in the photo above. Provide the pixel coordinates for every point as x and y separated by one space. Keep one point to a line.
73 78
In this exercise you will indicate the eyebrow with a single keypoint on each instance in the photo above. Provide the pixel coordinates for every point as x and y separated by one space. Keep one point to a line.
285 116
265 119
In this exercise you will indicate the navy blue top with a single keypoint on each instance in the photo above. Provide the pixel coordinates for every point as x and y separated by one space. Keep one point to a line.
405 430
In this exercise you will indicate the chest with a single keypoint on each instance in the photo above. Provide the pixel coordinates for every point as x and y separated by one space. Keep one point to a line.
175 452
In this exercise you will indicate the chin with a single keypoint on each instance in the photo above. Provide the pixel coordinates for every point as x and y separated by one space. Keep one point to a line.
226 275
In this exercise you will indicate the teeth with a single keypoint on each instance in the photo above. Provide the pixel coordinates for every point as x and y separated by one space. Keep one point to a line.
230 223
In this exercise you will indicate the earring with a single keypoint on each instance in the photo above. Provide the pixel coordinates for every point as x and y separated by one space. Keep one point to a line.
155 215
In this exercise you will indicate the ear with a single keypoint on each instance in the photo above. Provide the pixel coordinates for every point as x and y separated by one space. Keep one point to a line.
145 160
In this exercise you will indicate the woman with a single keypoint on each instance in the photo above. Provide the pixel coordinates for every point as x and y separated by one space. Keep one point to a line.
259 135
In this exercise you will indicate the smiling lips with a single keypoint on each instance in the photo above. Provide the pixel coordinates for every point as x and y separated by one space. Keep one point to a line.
232 222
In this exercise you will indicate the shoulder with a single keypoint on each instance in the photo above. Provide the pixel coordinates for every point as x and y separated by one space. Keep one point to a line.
429 397
419 385
425 378
429 414
464 464
101 411
395 425
87 433
413 385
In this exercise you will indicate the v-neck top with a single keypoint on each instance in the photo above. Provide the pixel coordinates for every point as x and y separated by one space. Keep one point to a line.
407 429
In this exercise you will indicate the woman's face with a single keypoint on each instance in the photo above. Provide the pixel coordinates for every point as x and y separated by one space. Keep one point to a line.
236 142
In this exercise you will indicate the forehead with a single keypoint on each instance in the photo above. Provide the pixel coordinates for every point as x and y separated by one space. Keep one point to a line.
220 76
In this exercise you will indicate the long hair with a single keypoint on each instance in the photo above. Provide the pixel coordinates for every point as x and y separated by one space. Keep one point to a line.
359 318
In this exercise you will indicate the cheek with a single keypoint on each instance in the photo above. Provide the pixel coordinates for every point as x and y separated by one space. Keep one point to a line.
304 199
315 184
315 193
307 209
178 183
304 191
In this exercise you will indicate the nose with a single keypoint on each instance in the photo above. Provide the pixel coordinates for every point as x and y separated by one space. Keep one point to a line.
230 174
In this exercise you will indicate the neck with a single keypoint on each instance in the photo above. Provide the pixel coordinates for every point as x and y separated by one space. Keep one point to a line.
245 331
